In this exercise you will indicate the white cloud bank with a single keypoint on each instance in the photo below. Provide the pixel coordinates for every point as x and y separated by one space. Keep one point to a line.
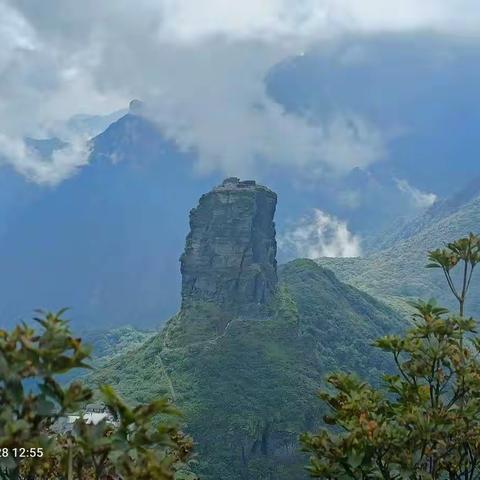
320 235
200 67
417 197
62 164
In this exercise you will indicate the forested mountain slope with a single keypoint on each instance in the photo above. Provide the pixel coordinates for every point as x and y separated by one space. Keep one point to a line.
248 351
397 272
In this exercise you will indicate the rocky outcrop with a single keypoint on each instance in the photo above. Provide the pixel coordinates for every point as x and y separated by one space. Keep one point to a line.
136 107
229 256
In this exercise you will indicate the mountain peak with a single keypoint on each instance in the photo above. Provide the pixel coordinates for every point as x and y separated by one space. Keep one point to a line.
136 107
230 252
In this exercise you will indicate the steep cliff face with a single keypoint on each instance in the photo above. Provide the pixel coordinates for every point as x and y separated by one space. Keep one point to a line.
244 358
230 251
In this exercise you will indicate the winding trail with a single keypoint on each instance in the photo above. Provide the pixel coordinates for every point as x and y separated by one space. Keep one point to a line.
165 349
169 380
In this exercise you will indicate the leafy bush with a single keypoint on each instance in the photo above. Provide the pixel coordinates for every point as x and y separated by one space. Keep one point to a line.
425 424
143 443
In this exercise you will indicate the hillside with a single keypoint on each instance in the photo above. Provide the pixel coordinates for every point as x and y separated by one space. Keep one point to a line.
107 345
397 273
248 351
440 210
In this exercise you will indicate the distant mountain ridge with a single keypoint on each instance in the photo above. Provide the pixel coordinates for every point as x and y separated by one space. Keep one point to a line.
438 211
105 242
397 273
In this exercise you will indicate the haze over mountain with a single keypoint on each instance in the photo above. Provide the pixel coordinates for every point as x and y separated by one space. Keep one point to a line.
418 92
105 242
118 224
397 271
359 125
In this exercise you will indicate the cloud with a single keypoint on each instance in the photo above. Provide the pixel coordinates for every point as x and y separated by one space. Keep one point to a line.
200 66
62 164
320 235
417 197
351 199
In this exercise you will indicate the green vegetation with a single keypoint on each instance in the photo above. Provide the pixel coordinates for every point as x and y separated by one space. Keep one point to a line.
396 274
424 423
246 384
142 443
106 344
464 253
